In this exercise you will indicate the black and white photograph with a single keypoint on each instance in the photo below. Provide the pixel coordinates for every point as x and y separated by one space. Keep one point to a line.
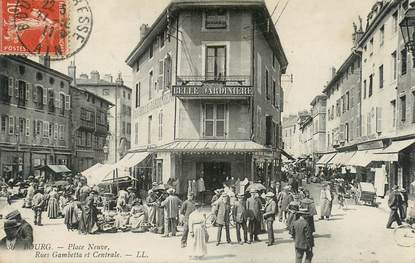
223 131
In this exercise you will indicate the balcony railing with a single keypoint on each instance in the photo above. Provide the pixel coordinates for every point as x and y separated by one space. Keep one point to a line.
87 125
233 80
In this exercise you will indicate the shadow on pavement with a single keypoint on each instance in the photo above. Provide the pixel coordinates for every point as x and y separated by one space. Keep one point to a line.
283 241
218 257
322 236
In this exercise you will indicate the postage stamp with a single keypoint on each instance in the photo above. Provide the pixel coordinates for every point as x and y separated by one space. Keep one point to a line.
57 28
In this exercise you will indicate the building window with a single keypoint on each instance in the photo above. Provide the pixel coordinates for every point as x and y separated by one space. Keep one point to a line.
394 64
22 123
274 94
346 132
123 127
45 129
159 171
11 125
413 107
381 77
137 94
393 104
167 72
214 123
267 83
150 82
51 100
403 108
216 19
160 130
128 128
3 123
162 39
136 133
39 76
149 130
4 89
62 103
371 46
403 61
151 50
347 101
370 85
21 93
123 94
364 89
382 35
128 95
215 62
274 61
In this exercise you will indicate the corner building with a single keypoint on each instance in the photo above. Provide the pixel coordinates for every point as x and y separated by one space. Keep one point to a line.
207 95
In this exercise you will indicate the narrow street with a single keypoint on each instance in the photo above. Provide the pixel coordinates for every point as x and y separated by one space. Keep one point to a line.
349 236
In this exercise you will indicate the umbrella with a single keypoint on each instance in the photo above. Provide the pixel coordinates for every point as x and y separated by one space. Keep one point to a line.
162 187
256 186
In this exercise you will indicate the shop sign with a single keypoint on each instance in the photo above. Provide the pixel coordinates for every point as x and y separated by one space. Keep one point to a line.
370 145
212 90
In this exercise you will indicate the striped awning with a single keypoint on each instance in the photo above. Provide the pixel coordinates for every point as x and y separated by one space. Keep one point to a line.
325 158
214 146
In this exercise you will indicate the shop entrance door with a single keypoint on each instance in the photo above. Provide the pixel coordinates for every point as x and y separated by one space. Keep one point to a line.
215 173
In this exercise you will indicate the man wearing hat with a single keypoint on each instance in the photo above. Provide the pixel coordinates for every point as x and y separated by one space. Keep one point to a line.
38 203
269 216
171 212
253 213
404 205
19 233
303 237
187 208
222 212
239 217
131 196
394 202
284 199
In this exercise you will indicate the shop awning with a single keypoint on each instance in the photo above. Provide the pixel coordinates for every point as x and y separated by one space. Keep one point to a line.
96 176
341 158
362 158
134 159
214 146
59 168
391 153
91 169
287 155
325 158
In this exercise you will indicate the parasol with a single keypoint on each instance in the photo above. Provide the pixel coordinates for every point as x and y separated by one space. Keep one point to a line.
256 186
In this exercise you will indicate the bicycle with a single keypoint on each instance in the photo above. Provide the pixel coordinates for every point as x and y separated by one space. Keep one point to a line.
404 235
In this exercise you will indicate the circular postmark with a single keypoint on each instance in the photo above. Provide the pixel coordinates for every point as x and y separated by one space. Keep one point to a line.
55 28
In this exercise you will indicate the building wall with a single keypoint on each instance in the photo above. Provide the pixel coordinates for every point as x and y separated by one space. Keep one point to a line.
318 113
123 106
290 135
377 109
89 133
36 146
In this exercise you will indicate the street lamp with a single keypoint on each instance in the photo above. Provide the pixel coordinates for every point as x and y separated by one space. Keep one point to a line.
407 26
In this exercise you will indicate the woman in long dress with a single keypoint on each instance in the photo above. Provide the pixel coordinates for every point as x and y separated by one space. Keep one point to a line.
138 214
325 202
88 219
197 226
53 204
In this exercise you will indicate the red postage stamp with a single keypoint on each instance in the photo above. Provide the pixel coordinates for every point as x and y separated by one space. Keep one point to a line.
34 27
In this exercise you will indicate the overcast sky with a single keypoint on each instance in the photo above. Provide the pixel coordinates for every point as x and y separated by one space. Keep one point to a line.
316 34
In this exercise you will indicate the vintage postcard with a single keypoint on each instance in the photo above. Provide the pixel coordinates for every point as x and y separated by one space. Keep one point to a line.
207 131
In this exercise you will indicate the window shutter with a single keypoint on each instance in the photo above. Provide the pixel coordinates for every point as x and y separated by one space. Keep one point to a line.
34 93
55 131
378 119
281 99
28 87
45 96
27 127
34 127
11 86
11 124
16 88
45 129
67 102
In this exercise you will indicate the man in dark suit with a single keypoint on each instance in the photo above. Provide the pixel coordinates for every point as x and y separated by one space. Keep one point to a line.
19 233
394 202
253 213
187 208
269 216
222 212
239 216
303 237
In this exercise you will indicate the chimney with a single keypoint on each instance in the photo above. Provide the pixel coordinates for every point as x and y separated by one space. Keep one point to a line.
83 76
119 80
357 33
72 72
143 30
95 75
45 61
108 78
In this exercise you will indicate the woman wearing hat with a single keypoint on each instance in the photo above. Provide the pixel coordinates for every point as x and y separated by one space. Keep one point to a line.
138 214
325 202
